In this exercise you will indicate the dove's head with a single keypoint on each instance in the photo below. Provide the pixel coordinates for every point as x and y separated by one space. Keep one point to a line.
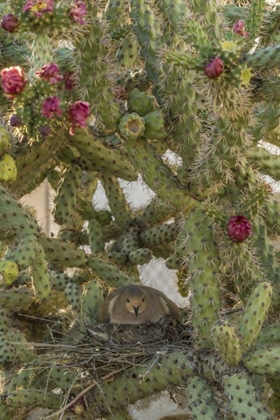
136 300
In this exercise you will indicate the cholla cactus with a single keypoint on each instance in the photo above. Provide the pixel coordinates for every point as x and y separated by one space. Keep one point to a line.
97 92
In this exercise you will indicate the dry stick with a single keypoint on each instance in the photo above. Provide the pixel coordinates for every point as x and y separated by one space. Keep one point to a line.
62 410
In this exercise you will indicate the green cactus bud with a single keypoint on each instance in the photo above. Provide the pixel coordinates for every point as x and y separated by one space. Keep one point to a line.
141 102
132 126
154 126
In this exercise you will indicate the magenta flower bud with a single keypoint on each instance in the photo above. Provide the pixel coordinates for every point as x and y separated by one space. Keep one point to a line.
45 130
69 81
12 80
239 28
78 11
214 68
51 107
15 121
78 113
9 23
239 228
49 72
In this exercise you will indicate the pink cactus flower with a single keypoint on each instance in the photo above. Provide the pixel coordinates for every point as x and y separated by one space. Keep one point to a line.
78 113
214 68
9 23
77 11
51 107
49 73
239 228
38 7
12 80
239 28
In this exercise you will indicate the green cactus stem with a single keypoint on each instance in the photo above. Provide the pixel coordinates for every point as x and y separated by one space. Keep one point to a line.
255 314
200 399
91 301
63 253
108 272
227 342
67 192
157 175
243 398
101 157
143 382
116 199
146 29
264 361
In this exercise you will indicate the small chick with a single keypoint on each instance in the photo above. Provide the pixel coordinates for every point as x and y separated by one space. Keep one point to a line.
136 304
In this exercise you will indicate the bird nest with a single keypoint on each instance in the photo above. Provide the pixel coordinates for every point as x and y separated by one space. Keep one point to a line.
103 352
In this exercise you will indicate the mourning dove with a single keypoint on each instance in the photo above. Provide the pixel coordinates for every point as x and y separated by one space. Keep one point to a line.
136 304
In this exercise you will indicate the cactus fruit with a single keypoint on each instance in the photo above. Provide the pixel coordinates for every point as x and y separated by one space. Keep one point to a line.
9 271
8 169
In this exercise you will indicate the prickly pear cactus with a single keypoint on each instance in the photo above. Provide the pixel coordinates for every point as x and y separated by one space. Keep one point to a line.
101 94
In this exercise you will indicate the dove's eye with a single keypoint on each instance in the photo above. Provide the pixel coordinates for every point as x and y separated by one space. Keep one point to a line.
143 300
127 300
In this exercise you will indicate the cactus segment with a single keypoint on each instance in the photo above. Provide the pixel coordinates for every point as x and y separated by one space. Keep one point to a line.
32 398
264 361
141 103
73 295
255 314
160 235
96 241
106 271
227 342
203 265
101 157
145 27
116 199
5 144
157 175
91 301
63 253
200 399
128 51
243 399
126 390
67 193
39 275
154 126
